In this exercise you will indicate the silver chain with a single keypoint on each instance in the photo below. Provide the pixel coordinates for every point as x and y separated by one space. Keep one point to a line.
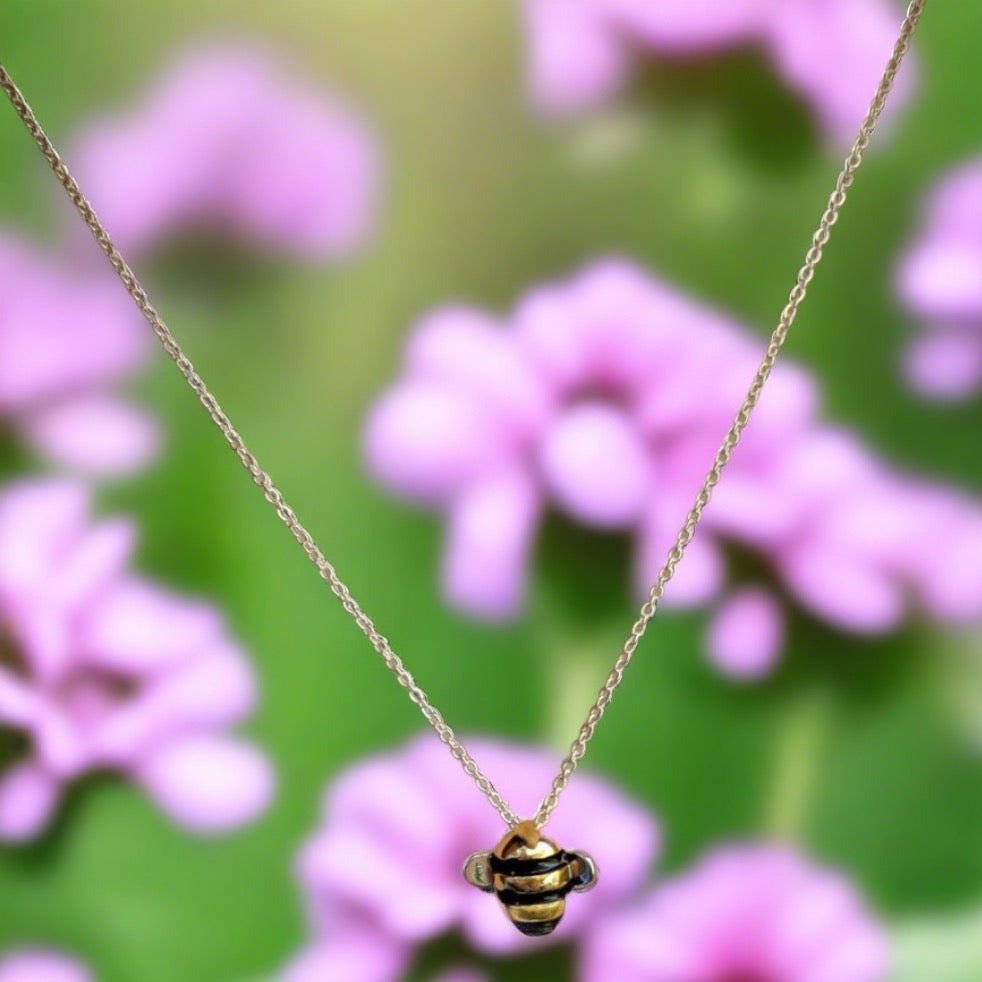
324 568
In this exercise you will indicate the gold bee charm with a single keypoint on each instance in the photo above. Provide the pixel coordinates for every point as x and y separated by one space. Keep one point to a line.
531 876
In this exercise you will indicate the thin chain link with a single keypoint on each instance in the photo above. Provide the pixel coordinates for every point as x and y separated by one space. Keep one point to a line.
327 571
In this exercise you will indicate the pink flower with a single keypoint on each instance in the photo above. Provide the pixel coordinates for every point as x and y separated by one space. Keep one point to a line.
354 953
853 542
746 635
230 141
360 955
41 965
397 829
102 669
940 282
754 913
606 397
65 340
580 50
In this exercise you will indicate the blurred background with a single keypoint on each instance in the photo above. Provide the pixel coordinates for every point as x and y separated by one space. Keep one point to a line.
708 166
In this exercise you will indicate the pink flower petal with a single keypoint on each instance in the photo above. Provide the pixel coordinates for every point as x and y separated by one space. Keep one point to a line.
214 689
96 435
575 59
103 160
746 634
360 958
208 783
954 204
706 346
951 586
555 342
463 349
642 949
18 701
351 865
945 364
40 965
825 462
857 955
28 796
140 628
941 279
60 741
754 509
120 160
489 536
596 467
426 442
771 503
61 333
879 521
99 557
857 35
695 26
43 636
37 519
628 324
699 575
822 922
609 329
843 590
786 412
311 181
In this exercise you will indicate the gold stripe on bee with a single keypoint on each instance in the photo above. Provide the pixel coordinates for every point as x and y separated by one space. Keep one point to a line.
537 913
544 883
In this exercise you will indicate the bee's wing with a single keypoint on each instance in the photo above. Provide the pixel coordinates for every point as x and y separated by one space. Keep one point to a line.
584 871
477 871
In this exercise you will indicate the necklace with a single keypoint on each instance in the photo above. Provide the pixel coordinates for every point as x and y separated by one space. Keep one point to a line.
530 874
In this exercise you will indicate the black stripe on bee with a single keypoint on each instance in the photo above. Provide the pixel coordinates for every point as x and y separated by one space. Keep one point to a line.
529 867
514 898
537 929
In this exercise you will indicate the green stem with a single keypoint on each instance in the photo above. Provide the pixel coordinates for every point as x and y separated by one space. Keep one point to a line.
800 745
572 681
574 667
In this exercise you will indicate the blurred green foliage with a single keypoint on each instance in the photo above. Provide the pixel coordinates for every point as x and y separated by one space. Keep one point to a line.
854 747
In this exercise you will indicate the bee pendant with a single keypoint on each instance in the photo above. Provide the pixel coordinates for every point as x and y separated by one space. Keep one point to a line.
531 876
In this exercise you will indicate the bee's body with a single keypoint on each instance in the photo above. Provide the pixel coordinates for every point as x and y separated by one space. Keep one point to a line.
531 876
